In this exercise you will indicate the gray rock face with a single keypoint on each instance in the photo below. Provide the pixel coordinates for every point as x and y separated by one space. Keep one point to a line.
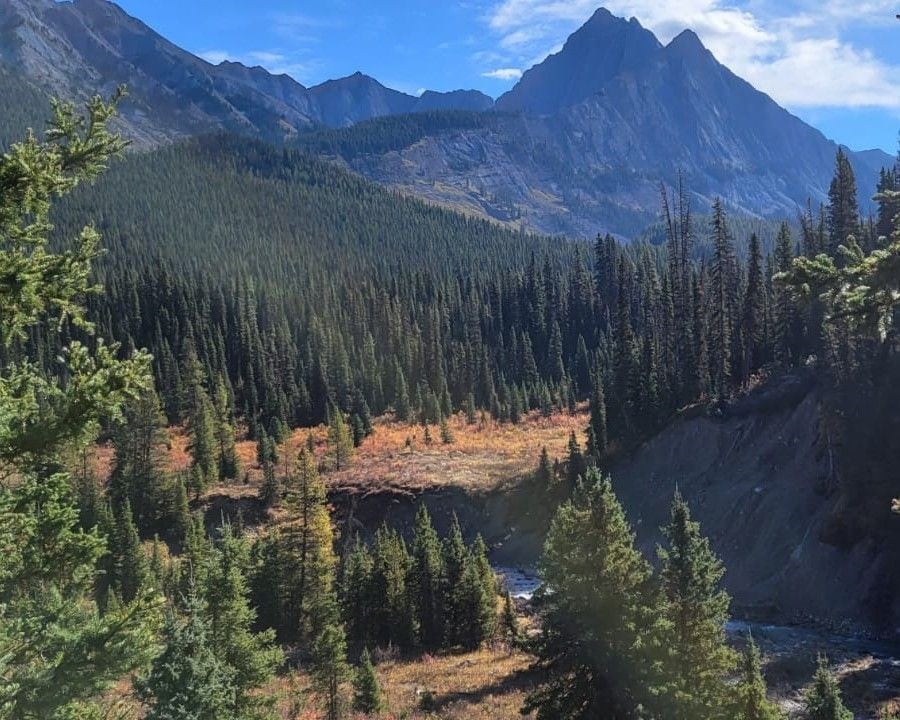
602 123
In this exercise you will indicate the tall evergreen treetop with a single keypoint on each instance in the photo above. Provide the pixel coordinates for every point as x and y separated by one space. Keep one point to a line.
823 699
599 634
843 207
696 609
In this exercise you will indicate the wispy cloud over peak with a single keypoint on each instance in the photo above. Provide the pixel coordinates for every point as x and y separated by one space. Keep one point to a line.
503 74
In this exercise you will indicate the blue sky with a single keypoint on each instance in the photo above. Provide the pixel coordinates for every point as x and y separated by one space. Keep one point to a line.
835 63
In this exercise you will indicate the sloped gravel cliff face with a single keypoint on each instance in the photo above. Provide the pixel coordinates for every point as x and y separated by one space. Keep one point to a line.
762 479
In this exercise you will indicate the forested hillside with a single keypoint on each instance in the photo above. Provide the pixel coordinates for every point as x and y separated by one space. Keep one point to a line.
303 287
24 107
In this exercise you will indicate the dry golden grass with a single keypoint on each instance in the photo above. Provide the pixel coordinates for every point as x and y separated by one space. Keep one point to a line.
487 684
396 456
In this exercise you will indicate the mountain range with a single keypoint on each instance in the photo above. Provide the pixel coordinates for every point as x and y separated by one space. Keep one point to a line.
579 145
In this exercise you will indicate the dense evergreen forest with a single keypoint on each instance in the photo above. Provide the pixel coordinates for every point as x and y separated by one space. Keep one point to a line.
277 291
301 288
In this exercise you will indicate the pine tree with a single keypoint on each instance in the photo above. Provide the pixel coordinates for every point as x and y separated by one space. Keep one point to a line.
340 441
823 699
751 702
427 581
599 616
699 659
330 669
366 690
188 681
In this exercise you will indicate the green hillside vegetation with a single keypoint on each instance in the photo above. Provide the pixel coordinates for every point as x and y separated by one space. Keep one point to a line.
24 106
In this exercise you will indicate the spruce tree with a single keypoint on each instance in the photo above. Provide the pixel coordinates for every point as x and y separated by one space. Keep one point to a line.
843 207
470 409
394 614
721 303
750 695
888 201
252 657
596 446
456 561
188 680
699 659
340 440
366 690
306 554
823 699
786 332
482 595
575 464
357 600
131 567
446 433
599 617
427 582
140 445
181 512
509 622
330 670
201 427
228 464
754 308
270 489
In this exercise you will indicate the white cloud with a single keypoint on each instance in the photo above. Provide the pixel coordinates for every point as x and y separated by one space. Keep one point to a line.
503 74
796 51
267 57
215 57
276 62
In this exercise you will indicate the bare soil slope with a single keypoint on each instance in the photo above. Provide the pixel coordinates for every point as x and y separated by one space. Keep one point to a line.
761 476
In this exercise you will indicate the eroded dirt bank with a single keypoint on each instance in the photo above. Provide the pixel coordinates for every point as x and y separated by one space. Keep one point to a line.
762 477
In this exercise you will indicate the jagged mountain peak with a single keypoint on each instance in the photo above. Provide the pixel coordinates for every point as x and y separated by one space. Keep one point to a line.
601 49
